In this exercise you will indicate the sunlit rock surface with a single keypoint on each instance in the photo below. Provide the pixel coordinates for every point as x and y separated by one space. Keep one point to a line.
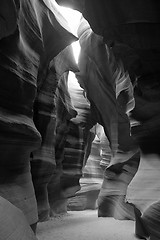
90 182
13 223
145 186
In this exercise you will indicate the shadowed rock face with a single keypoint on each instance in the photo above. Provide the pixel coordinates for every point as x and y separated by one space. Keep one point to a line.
28 42
137 43
134 39
132 30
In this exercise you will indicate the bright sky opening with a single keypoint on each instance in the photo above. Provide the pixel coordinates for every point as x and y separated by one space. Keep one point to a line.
73 19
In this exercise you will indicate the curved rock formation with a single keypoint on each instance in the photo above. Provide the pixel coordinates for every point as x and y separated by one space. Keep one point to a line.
28 43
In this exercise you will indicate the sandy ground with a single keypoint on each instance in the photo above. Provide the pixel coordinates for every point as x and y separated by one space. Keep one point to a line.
82 225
